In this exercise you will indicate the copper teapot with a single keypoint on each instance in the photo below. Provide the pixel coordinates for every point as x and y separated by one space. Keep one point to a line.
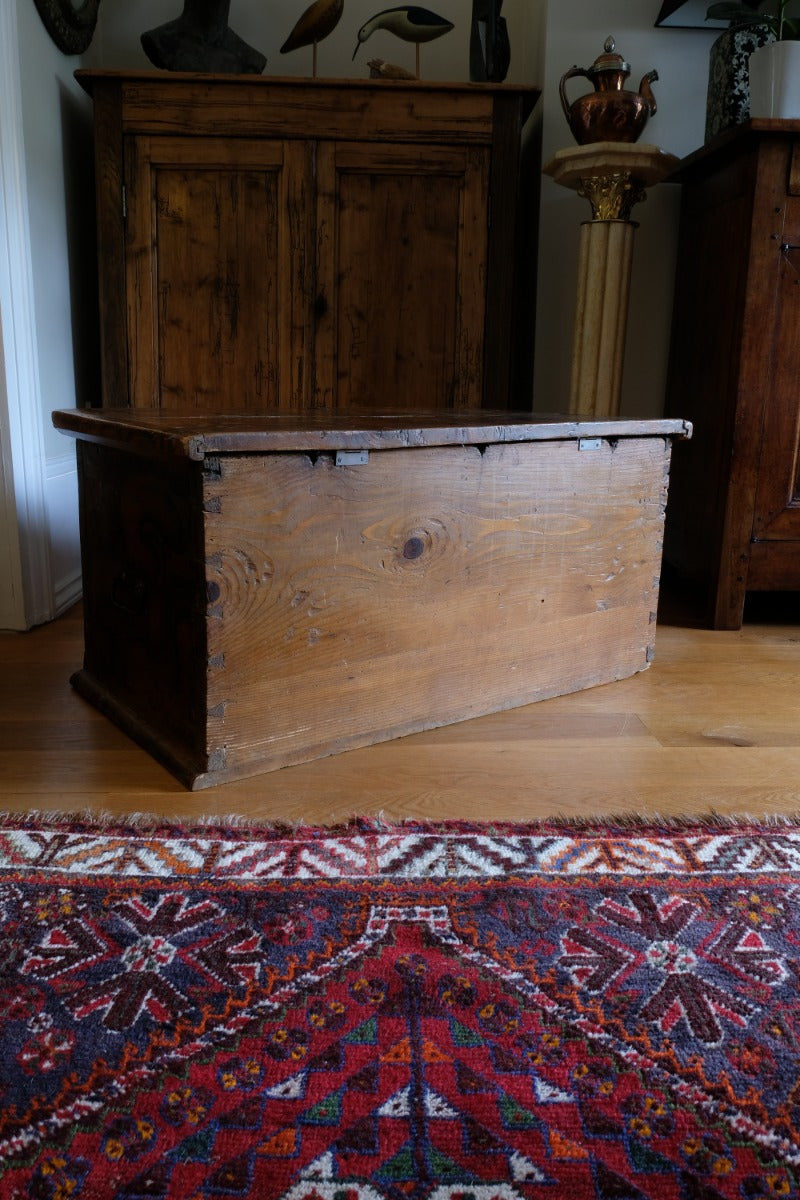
609 113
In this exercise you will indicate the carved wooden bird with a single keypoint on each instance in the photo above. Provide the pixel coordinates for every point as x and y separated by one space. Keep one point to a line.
318 20
379 68
411 23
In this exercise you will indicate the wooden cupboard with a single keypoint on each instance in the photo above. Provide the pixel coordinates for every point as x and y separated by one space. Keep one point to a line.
733 519
295 244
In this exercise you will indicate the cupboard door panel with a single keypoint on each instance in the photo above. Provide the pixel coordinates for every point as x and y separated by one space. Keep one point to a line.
216 281
733 519
402 235
298 244
777 509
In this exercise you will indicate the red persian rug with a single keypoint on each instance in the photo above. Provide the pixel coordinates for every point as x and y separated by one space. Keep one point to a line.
416 1012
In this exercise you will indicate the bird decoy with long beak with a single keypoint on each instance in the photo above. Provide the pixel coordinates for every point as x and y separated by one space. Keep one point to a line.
318 20
411 23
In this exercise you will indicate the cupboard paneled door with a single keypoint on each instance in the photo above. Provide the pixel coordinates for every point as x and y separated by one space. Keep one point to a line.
400 294
295 245
775 553
218 263
733 519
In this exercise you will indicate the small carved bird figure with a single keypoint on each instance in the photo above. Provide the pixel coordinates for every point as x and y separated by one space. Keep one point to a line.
379 68
411 23
318 20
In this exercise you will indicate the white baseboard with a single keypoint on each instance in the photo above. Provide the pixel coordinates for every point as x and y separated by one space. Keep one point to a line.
68 592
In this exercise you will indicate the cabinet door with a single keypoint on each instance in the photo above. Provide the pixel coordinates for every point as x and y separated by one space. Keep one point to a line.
217 272
401 250
775 550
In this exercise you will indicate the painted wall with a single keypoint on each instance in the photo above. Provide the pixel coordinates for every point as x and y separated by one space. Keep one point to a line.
58 155
57 119
266 27
45 144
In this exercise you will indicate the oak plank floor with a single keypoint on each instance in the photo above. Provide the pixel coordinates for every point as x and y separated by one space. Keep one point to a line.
712 725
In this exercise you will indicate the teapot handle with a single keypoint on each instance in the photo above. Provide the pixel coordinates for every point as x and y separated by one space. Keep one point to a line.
562 91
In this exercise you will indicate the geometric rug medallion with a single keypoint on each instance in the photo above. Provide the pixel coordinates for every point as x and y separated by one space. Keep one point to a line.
415 1012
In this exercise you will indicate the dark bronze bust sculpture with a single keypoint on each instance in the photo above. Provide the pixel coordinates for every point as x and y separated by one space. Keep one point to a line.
201 40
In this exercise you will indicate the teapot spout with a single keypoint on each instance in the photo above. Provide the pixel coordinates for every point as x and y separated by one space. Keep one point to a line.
647 92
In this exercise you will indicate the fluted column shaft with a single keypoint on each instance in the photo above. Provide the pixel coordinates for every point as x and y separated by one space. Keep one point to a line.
613 177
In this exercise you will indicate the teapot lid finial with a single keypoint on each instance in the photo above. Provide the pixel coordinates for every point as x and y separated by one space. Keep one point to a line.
610 61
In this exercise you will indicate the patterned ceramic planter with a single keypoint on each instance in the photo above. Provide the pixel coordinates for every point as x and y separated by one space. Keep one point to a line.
728 101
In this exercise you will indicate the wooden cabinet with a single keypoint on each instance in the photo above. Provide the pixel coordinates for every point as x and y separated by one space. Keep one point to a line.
294 244
733 519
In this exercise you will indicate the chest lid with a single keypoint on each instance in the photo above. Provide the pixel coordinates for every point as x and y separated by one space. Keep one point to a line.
161 433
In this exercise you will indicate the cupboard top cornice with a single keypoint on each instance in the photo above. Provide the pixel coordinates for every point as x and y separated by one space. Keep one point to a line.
730 144
87 77
261 105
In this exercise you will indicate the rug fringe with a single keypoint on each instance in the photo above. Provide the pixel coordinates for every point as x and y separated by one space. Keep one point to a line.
676 821
600 823
141 822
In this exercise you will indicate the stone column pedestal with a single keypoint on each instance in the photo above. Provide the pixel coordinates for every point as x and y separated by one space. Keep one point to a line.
613 177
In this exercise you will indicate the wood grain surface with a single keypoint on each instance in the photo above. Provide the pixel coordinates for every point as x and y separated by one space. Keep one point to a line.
734 516
251 610
309 244
427 586
165 433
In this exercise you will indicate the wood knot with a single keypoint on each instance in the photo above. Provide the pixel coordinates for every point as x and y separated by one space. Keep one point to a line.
413 547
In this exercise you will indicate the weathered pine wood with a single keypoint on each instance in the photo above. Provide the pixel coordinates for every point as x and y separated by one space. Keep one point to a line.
253 609
284 106
431 586
193 435
303 244
511 254
143 566
224 319
402 233
734 518
109 193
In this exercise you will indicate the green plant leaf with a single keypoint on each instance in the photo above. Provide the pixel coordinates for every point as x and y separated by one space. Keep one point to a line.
743 12
737 14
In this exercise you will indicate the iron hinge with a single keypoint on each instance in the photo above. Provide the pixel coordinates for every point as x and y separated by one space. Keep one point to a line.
352 458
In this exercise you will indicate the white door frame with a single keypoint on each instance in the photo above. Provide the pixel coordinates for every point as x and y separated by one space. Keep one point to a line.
21 420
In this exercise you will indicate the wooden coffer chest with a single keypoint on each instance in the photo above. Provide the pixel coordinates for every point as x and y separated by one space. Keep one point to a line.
264 590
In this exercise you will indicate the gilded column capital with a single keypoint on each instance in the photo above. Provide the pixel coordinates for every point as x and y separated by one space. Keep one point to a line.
612 196
612 176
